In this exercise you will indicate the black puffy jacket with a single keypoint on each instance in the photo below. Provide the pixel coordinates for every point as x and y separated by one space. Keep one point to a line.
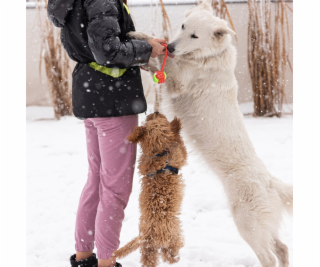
94 33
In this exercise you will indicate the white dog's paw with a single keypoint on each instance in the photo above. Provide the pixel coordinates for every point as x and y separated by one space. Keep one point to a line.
139 36
153 64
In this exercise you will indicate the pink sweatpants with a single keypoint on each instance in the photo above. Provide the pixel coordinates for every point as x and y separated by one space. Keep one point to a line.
104 197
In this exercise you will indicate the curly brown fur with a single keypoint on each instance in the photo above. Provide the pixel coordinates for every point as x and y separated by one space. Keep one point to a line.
161 194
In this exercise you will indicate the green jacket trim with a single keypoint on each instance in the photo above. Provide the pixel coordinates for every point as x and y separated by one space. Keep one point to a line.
125 6
113 72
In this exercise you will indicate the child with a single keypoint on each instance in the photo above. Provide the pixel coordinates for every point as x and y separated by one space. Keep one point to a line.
107 94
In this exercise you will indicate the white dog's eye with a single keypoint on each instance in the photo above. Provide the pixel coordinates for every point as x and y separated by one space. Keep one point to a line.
182 27
194 36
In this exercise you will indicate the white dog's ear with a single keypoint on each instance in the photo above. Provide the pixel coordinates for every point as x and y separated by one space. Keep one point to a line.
222 32
188 12
207 4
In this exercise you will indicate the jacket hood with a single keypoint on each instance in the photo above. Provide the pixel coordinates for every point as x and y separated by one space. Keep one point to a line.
58 11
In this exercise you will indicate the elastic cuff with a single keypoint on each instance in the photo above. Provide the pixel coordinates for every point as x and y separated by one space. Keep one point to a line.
143 51
104 255
84 247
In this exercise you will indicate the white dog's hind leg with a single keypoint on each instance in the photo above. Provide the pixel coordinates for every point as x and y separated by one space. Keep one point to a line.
259 238
262 248
281 251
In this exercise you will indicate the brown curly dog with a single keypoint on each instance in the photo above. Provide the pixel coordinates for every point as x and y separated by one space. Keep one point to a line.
163 154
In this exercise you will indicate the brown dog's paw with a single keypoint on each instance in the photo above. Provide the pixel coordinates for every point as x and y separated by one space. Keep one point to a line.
137 134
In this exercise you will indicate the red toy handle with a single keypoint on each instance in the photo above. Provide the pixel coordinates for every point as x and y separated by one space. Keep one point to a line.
160 76
165 57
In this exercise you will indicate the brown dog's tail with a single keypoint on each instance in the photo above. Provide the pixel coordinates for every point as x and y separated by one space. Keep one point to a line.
127 249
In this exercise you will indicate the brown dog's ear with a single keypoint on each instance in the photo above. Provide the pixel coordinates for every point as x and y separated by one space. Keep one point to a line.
137 134
176 125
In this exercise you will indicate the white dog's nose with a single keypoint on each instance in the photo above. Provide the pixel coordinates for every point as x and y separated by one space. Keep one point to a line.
170 48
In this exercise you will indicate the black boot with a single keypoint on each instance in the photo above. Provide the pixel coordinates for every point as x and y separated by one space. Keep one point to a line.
89 262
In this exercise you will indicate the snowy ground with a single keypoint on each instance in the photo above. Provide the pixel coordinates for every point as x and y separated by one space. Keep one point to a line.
56 173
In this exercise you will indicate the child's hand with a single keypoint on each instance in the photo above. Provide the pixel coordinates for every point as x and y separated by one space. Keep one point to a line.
157 48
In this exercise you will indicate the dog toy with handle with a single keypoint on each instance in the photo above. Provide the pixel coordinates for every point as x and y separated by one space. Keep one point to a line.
160 76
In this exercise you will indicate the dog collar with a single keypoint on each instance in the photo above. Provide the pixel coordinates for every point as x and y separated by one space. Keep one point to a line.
170 168
167 167
163 153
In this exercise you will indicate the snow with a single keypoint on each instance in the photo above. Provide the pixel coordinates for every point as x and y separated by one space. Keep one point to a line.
56 174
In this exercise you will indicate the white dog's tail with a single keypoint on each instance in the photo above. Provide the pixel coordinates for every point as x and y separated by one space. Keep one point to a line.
285 192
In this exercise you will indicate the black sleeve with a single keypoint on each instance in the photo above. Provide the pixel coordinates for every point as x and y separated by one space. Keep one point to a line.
104 37
58 11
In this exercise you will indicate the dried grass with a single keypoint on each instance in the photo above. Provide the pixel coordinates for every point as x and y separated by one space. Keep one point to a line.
57 64
166 25
268 55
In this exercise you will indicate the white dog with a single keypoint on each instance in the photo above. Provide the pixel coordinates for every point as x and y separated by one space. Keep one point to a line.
201 89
